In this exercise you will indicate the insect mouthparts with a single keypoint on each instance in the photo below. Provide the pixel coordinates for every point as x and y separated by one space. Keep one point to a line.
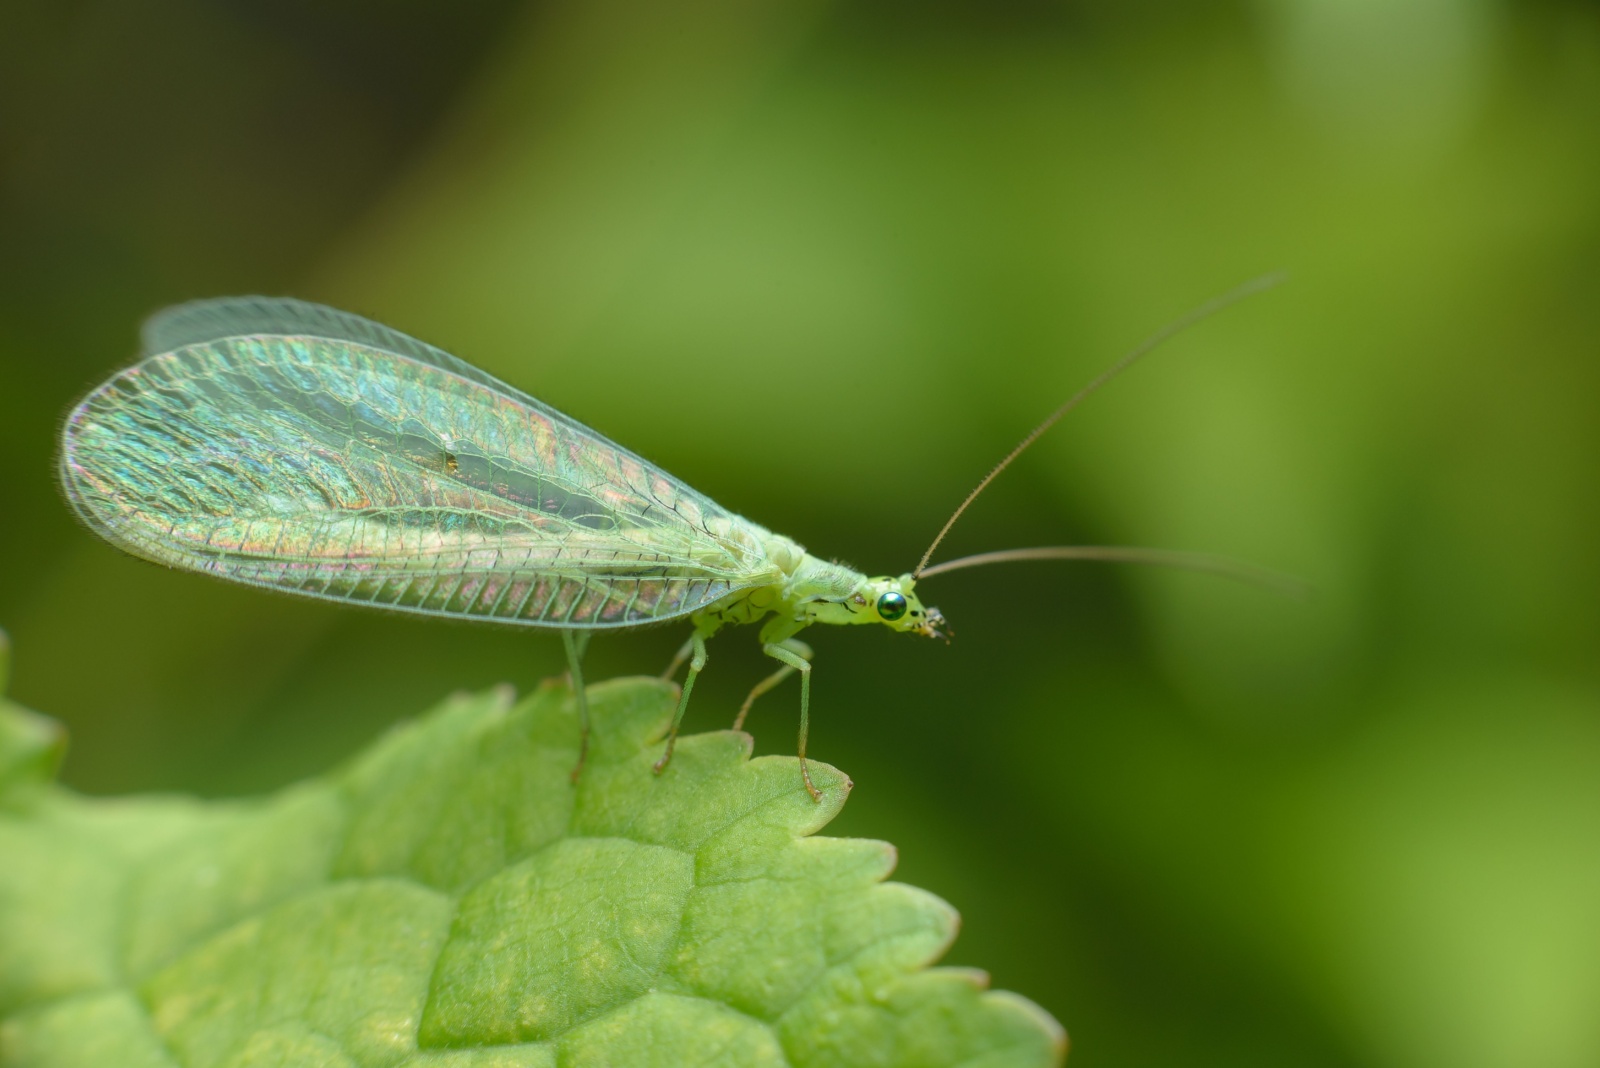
930 627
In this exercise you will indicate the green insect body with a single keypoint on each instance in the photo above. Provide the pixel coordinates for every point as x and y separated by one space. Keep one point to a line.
288 445
811 591
292 446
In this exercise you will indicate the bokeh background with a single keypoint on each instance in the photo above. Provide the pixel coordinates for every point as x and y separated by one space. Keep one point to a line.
827 262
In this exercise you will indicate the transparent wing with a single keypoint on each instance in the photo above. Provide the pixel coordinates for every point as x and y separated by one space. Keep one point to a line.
286 444
201 322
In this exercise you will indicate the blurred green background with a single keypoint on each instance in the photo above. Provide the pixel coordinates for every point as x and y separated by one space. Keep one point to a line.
827 262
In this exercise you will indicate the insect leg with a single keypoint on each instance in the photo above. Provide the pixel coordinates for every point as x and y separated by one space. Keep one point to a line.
576 643
785 653
696 662
677 661
794 645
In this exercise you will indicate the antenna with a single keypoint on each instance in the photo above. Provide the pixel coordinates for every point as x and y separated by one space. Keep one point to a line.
1177 326
1287 585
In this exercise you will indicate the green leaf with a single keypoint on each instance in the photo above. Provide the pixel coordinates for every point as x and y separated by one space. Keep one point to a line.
450 899
31 747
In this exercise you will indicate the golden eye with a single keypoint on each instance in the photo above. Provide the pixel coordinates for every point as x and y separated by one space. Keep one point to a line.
891 606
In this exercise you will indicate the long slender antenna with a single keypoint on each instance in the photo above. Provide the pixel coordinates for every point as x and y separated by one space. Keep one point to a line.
1177 326
1204 562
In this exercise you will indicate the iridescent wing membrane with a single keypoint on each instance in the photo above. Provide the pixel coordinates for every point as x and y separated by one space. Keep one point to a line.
289 445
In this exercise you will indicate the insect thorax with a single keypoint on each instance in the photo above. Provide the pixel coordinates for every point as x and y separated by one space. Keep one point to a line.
802 578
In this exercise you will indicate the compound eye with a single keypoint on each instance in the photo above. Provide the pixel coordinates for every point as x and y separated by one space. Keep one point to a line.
892 606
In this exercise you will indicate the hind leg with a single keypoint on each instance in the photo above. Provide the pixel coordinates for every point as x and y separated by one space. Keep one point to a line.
576 643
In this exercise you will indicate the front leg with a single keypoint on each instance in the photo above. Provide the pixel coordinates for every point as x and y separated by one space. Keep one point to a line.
783 653
794 645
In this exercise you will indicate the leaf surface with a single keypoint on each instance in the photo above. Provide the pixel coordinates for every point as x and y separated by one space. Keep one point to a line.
450 899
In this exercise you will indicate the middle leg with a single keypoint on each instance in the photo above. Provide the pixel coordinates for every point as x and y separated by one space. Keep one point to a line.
677 661
696 662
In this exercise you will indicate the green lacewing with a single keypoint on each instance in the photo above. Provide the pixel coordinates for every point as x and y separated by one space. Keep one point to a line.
285 444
